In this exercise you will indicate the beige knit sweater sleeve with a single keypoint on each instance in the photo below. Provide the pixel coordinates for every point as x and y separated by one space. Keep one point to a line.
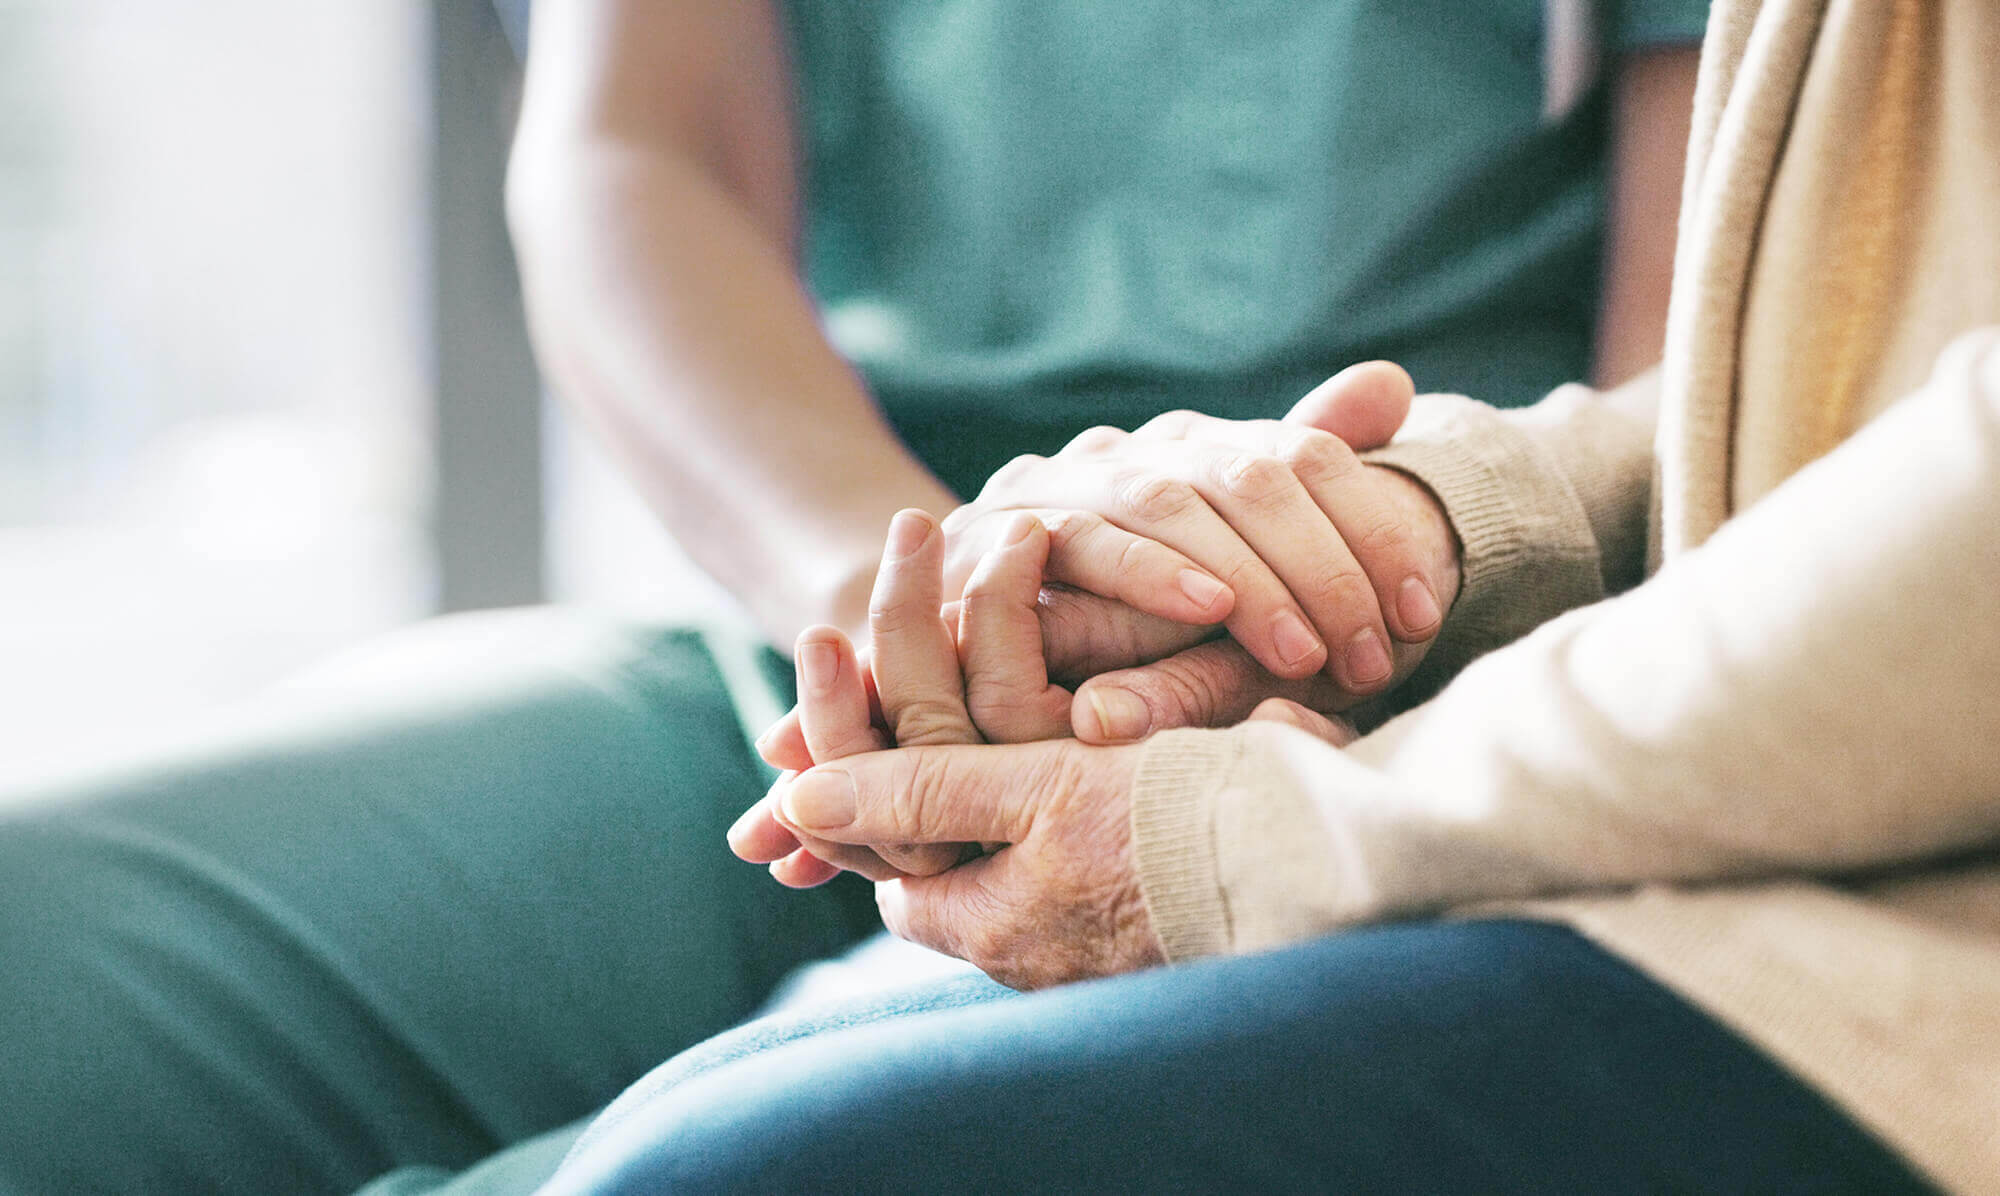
1811 691
1550 505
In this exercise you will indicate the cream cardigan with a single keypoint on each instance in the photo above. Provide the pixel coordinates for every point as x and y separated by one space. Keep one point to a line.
1769 773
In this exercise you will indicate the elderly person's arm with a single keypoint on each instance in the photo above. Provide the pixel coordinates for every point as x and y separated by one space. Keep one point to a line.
1811 692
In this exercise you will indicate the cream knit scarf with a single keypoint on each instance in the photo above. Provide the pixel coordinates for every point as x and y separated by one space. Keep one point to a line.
1840 223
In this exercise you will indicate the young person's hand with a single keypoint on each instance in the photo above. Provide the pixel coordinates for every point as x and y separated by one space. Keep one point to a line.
1221 681
1136 672
1330 563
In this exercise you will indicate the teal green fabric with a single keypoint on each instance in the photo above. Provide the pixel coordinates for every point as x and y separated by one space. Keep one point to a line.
406 915
1637 24
1028 218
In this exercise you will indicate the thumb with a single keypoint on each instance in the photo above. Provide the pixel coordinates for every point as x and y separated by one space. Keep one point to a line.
1215 684
953 793
1363 404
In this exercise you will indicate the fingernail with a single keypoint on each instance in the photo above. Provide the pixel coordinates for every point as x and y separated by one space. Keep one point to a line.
819 664
1417 606
1121 714
1295 641
1202 590
1018 530
821 800
1367 659
907 533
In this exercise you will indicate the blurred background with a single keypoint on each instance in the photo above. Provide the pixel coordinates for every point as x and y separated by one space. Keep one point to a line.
264 388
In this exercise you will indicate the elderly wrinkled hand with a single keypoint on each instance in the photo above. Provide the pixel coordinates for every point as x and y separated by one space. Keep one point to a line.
1057 898
931 669
1015 857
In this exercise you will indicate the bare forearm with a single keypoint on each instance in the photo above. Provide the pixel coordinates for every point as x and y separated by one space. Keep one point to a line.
1653 99
678 327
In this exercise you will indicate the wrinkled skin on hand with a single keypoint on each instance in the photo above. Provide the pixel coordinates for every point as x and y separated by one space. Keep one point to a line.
1017 858
1058 897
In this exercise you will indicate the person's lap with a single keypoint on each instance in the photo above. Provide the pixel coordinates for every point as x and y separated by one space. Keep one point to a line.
422 909
1469 1056
428 911
879 978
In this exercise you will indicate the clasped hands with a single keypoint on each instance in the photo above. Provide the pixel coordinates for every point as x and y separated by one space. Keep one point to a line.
992 834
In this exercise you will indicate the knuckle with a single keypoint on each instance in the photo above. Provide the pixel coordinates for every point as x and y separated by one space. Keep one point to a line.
1169 423
894 618
851 743
1388 535
1250 577
1094 440
987 604
1067 527
1343 587
1255 479
1011 474
998 705
1152 498
1316 456
929 721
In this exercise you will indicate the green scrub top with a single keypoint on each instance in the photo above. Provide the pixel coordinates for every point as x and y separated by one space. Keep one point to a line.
1026 217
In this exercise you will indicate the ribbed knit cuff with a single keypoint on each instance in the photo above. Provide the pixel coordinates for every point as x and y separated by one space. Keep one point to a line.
1174 793
1528 552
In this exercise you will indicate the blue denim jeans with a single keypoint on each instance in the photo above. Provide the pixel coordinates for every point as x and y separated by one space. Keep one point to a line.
1442 1057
